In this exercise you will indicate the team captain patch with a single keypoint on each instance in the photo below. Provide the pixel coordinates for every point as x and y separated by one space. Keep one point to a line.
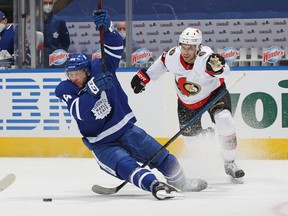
172 51
201 53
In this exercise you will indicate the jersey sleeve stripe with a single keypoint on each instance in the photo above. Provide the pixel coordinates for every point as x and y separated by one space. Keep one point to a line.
112 54
114 47
112 129
75 107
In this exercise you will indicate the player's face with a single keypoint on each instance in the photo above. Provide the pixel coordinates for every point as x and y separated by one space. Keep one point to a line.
121 26
79 78
48 2
4 21
188 52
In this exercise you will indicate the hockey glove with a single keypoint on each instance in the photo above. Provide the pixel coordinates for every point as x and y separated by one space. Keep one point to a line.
99 83
102 18
215 64
139 81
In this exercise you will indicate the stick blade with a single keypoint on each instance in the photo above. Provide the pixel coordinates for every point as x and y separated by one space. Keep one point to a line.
103 190
7 181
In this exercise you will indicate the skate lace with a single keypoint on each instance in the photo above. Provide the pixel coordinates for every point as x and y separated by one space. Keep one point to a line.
232 167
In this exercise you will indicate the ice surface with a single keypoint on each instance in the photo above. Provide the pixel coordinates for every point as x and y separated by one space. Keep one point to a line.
68 182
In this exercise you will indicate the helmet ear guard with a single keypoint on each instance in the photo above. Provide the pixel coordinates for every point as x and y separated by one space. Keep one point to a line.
191 36
77 62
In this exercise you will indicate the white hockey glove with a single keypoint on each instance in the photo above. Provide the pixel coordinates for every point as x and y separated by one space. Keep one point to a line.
215 64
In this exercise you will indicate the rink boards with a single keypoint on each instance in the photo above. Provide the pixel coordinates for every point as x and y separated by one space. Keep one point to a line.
33 122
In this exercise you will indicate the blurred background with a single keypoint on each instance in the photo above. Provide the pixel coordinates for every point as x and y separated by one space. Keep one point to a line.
248 28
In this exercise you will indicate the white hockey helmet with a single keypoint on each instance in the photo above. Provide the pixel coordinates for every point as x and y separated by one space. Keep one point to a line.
191 36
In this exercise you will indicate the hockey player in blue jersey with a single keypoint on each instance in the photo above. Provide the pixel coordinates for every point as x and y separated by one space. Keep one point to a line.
6 34
56 34
100 107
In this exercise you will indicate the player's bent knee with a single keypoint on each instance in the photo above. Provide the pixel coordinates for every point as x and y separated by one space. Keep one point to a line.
224 123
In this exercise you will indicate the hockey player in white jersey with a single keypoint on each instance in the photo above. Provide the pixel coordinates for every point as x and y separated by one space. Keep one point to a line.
199 76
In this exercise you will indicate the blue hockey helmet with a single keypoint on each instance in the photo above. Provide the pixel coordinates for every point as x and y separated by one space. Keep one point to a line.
78 62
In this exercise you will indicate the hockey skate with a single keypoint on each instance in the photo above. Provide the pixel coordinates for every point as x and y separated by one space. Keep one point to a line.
163 191
190 185
236 174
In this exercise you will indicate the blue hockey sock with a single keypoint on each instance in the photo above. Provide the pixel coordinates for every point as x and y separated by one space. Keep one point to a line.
129 170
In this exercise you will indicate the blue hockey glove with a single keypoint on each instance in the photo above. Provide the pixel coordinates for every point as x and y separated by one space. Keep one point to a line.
99 83
215 64
102 18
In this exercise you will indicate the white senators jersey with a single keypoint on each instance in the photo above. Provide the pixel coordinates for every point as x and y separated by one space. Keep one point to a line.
193 85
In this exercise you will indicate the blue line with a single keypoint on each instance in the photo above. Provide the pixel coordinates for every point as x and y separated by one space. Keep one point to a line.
16 93
34 93
54 114
24 100
54 107
49 86
16 114
20 128
22 121
22 87
51 128
51 121
51 80
35 114
25 107
21 80
54 100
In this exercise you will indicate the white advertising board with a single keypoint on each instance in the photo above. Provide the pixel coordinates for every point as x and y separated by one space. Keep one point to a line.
29 107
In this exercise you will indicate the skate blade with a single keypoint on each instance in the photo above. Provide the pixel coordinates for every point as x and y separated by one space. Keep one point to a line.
163 195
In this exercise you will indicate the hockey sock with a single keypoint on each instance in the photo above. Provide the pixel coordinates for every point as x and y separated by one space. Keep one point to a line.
130 171
172 170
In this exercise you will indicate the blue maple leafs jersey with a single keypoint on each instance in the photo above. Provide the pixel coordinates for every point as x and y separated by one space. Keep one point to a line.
7 39
105 117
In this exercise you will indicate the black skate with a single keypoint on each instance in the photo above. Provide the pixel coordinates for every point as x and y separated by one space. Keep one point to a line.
236 174
163 191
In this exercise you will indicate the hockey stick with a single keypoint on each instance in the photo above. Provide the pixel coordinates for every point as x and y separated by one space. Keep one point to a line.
102 41
7 181
106 191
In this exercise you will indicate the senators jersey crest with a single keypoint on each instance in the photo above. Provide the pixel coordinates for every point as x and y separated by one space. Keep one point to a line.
187 88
